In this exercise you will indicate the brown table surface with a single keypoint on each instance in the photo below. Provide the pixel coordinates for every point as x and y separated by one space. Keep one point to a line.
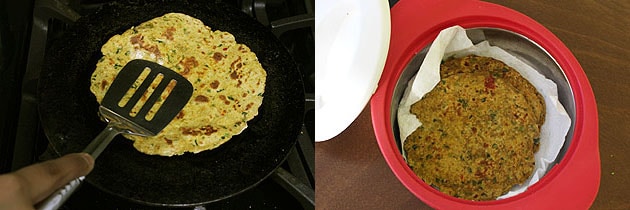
352 174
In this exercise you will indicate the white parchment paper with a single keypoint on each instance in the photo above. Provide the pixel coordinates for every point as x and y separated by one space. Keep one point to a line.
453 41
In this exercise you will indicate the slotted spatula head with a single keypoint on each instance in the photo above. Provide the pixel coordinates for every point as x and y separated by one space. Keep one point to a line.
137 120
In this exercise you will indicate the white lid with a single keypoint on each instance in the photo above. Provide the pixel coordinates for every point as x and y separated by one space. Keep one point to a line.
352 40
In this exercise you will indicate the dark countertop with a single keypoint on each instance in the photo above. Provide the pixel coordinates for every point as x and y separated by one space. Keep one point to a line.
351 171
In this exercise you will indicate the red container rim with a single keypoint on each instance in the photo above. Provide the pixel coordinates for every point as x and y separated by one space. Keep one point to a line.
572 183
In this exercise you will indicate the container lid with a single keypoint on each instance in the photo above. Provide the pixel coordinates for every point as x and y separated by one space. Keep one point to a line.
352 43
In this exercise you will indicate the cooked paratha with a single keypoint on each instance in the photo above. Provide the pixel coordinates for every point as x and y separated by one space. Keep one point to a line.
480 129
228 80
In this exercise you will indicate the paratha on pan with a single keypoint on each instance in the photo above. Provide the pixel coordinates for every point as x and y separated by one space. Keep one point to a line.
480 129
228 80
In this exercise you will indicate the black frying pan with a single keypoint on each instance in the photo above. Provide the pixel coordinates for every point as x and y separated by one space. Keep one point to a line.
68 111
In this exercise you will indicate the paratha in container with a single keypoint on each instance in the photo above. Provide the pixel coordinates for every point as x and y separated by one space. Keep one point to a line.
480 129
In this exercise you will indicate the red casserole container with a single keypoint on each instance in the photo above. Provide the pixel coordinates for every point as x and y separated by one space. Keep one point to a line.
572 183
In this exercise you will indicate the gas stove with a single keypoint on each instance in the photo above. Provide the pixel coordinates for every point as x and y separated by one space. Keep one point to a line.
33 24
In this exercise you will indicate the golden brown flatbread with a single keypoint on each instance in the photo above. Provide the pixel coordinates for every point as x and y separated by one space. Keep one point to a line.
480 129
228 80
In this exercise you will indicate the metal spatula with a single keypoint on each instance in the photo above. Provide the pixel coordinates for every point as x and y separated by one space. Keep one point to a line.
125 116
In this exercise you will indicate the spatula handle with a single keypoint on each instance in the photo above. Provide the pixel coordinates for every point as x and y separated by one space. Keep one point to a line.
95 148
103 139
60 196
